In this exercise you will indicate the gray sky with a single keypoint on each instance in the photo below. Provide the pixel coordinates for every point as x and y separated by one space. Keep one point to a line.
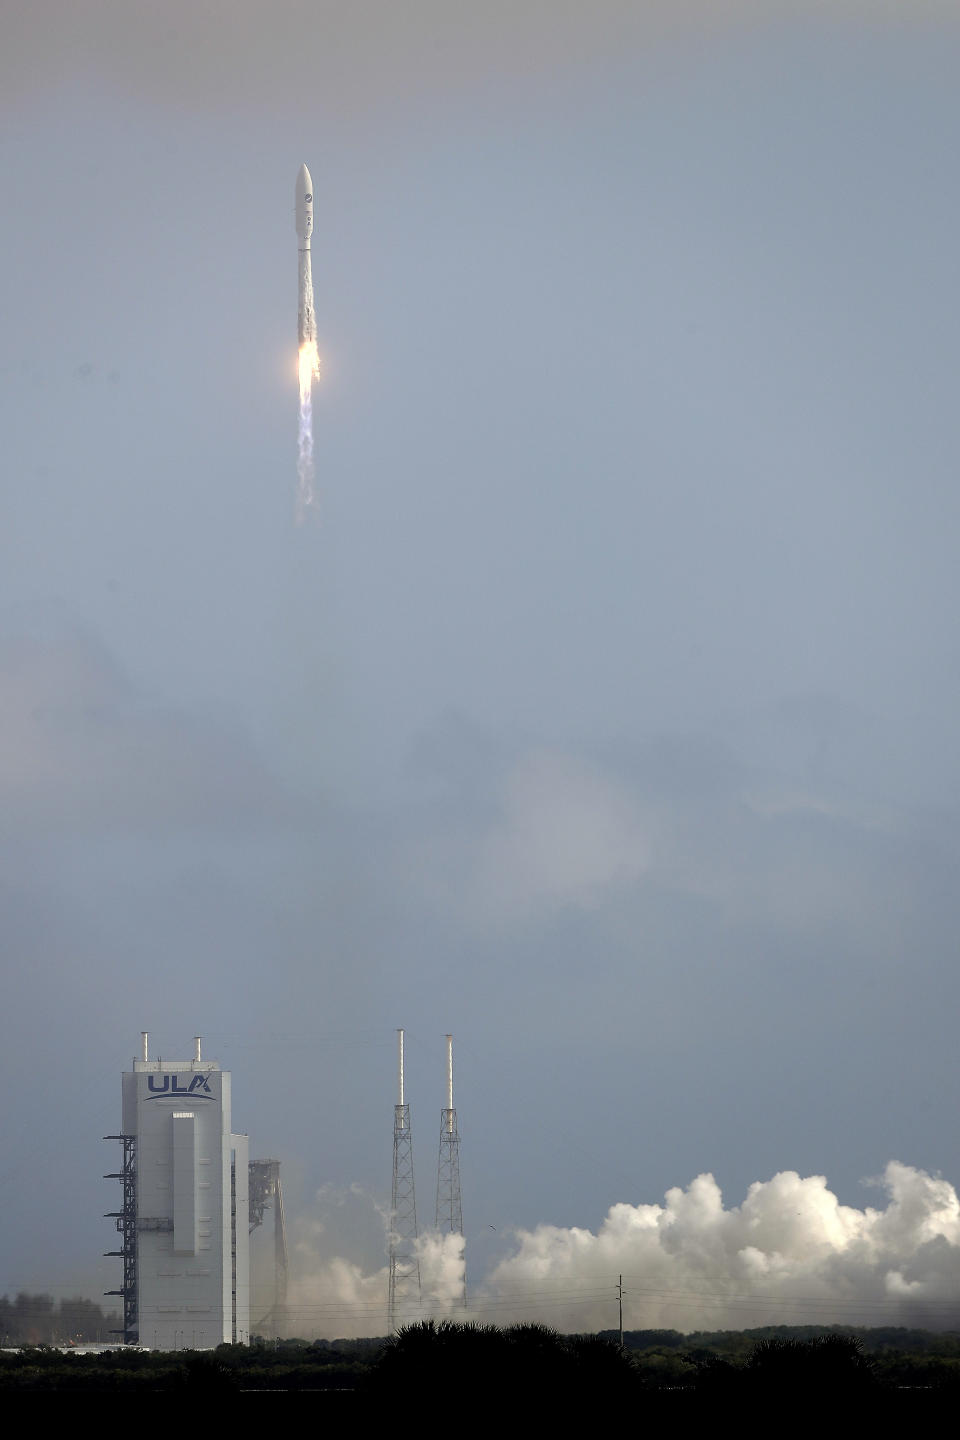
606 718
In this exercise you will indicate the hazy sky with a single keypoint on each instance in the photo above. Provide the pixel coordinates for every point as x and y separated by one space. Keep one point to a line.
606 718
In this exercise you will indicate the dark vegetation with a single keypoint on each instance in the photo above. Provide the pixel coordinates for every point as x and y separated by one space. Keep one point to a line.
287 1366
41 1320
896 1356
521 1359
806 1364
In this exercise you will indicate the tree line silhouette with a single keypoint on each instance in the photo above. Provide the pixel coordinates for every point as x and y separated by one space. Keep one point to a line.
495 1364
42 1320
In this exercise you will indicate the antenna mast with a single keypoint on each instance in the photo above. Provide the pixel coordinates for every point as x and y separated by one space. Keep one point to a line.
449 1219
404 1265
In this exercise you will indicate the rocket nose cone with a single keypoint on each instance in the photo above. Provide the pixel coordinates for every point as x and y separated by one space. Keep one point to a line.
304 204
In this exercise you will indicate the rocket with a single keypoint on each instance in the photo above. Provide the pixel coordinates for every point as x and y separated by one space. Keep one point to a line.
306 319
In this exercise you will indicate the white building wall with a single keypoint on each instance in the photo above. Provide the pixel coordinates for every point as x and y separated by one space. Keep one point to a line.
241 1162
186 1183
180 1114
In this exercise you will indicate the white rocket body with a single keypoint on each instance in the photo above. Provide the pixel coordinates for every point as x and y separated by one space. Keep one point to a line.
306 319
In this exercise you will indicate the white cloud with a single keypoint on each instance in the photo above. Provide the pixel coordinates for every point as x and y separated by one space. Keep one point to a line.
791 1253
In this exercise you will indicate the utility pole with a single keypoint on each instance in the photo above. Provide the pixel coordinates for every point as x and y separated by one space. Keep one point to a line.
620 1304
449 1213
404 1288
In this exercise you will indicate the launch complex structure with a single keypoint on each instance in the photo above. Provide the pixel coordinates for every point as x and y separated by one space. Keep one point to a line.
191 1199
405 1296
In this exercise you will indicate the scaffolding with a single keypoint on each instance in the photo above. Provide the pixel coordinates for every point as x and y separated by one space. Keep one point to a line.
126 1220
404 1285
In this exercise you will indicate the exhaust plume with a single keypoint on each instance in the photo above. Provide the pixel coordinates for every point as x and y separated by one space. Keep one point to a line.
309 370
309 362
789 1254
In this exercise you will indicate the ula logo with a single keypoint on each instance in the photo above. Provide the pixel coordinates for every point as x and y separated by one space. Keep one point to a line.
198 1089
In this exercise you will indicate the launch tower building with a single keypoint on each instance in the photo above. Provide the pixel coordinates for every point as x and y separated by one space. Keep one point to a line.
184 1220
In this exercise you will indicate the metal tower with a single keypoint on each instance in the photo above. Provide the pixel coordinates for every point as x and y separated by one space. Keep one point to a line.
404 1290
266 1190
449 1219
126 1219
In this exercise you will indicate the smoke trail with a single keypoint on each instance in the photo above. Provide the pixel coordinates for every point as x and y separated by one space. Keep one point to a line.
309 370
309 360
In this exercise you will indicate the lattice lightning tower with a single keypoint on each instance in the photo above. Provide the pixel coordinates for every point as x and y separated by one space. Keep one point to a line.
404 1294
449 1219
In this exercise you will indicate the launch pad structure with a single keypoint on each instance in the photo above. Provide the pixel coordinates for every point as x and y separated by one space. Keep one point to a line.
190 1200
449 1212
183 1216
126 1218
184 1222
266 1193
404 1284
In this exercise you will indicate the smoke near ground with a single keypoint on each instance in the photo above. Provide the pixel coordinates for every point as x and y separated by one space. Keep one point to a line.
442 1260
790 1253
332 1297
